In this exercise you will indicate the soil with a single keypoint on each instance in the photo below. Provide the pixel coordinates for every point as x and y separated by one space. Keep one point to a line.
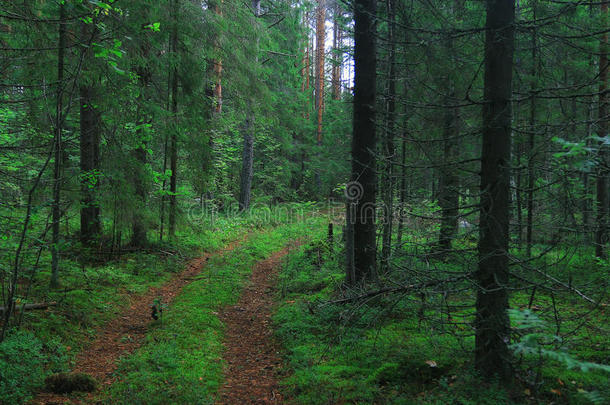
252 354
125 333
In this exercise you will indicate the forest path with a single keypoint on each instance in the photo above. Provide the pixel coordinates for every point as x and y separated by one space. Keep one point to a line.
251 351
126 332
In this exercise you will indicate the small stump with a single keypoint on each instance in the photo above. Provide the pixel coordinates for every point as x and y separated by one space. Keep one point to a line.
65 383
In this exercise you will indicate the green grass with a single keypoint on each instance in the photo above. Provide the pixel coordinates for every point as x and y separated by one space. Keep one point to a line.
89 296
181 360
381 351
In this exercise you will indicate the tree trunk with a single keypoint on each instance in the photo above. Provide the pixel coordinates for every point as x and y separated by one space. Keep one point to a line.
388 176
59 120
320 64
139 228
90 225
448 191
338 55
492 355
601 236
364 139
449 200
248 149
247 165
531 143
403 189
173 143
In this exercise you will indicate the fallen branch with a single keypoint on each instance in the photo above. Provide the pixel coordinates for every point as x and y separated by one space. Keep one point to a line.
392 290
27 307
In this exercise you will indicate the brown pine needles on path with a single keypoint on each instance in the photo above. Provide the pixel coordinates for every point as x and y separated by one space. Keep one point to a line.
125 333
251 351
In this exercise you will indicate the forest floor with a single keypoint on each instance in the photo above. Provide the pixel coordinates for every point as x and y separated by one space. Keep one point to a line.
126 332
252 353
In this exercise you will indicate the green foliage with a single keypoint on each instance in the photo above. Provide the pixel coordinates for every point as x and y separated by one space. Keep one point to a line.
24 363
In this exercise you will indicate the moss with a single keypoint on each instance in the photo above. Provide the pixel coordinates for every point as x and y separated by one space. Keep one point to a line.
65 383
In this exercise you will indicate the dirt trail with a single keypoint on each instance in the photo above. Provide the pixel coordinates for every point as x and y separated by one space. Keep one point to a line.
252 353
125 333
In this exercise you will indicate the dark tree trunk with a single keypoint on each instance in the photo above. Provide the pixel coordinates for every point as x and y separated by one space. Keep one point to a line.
248 149
448 191
139 228
57 141
492 355
364 139
247 165
90 226
403 190
448 197
173 142
531 144
601 236
320 74
388 147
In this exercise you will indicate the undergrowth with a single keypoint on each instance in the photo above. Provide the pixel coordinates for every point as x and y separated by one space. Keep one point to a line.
92 292
406 349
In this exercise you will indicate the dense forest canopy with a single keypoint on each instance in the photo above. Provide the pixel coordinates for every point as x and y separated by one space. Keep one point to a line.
441 169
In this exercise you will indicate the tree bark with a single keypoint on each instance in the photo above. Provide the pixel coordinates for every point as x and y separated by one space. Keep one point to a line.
56 212
492 355
601 235
338 55
139 228
449 200
320 76
388 147
248 149
364 138
173 142
90 121
247 165
90 225
531 144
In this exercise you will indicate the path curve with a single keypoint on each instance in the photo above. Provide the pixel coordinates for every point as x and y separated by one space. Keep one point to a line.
99 358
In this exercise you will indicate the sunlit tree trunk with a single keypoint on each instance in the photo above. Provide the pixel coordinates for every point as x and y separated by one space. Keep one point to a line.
337 53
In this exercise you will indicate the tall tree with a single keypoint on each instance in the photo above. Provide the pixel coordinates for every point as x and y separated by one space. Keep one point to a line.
57 165
388 139
320 75
448 199
364 177
603 170
248 145
337 52
173 141
531 143
492 355
90 121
